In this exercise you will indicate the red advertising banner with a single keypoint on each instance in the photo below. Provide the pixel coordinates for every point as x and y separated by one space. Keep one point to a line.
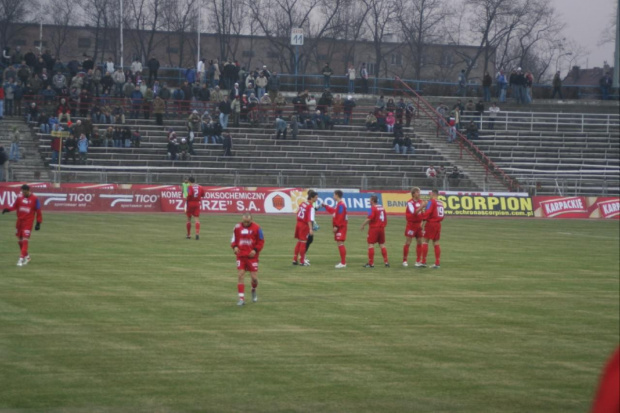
576 207
155 198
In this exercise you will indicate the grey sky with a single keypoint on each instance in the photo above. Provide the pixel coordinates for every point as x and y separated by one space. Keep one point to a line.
585 21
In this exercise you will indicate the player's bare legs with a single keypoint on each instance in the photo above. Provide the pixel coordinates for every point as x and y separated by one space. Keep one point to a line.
188 226
300 250
384 255
437 249
241 287
254 276
371 256
343 254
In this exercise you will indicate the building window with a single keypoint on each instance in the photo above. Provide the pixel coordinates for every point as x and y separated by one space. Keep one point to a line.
397 59
19 42
36 43
248 53
173 50
371 69
83 42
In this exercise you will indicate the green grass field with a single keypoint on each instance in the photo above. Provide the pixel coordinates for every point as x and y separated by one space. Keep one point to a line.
119 313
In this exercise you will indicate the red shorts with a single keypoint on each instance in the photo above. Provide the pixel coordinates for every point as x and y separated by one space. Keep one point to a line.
376 235
193 210
23 229
302 230
413 230
247 264
432 231
341 234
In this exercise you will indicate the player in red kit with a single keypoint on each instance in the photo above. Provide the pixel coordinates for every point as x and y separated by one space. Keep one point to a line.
432 227
27 206
303 229
247 243
192 206
377 221
413 215
339 224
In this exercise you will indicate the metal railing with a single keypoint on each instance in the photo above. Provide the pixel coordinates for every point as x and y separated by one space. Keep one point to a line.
544 121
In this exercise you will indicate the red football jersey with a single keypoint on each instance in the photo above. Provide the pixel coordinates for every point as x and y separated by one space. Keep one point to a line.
434 211
305 213
247 239
27 208
194 193
377 216
339 213
411 215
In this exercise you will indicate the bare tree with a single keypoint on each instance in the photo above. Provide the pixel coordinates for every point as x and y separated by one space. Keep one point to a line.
144 17
421 23
11 13
227 20
60 13
178 17
381 22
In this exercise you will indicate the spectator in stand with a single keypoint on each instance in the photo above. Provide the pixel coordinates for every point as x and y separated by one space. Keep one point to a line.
557 86
235 108
380 103
529 82
493 111
82 145
472 130
147 103
294 127
153 66
119 115
605 83
18 94
261 84
4 165
70 150
173 147
390 121
136 66
63 111
32 113
107 84
348 105
519 86
311 104
43 123
224 108
462 83
487 81
397 143
265 105
470 108
109 137
455 176
337 107
227 144
15 139
364 76
215 68
126 133
136 103
281 127
193 122
400 110
390 105
407 146
327 73
200 71
6 56
273 85
479 113
118 137
280 103
502 85
371 122
9 96
452 129
351 77
409 112
56 145
136 138
252 106
119 81
109 65
325 102
431 172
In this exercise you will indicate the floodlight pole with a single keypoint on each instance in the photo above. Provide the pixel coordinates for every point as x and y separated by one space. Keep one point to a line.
198 31
121 27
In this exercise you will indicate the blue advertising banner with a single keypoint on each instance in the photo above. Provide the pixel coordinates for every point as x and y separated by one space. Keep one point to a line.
355 201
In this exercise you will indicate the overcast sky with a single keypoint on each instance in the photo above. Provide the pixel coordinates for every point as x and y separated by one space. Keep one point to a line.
585 21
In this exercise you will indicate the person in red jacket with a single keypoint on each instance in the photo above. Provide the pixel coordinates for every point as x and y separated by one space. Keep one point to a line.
247 243
413 216
607 398
431 227
339 223
27 206
377 221
195 193
303 228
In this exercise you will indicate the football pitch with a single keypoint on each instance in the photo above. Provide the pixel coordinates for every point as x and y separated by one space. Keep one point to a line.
119 313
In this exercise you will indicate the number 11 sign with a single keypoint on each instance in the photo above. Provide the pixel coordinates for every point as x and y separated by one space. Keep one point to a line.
297 37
